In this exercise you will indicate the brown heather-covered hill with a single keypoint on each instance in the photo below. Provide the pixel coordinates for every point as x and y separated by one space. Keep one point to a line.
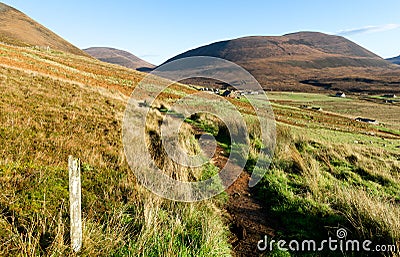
18 29
306 61
120 57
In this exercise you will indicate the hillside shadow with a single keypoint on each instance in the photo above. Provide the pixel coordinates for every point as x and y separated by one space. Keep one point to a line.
145 69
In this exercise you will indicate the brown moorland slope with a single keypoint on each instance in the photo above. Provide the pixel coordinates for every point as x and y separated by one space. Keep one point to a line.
306 61
18 29
120 57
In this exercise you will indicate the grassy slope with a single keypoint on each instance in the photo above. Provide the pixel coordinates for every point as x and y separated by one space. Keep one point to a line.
54 104
18 29
318 183
373 107
330 171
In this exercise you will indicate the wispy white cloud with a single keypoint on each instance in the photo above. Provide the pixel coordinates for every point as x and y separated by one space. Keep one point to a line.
368 29
148 55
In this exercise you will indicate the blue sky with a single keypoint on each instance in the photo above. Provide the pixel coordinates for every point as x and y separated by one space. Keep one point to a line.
157 30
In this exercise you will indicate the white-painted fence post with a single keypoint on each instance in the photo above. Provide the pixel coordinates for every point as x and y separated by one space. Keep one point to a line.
74 168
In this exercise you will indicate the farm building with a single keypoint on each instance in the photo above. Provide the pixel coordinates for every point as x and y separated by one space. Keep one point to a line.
340 94
229 93
316 108
366 120
390 96
249 93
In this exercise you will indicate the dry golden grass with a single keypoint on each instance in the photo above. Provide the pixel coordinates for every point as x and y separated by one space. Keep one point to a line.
55 104
74 106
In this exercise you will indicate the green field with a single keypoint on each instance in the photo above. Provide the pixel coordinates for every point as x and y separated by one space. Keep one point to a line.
352 106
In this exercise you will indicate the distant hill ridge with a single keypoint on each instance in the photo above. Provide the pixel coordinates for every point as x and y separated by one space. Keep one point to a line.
301 43
287 62
302 61
18 29
120 57
395 60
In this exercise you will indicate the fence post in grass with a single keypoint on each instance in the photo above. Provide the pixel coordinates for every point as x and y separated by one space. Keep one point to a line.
74 168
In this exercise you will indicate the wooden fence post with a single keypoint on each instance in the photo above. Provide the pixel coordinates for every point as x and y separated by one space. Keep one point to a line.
74 168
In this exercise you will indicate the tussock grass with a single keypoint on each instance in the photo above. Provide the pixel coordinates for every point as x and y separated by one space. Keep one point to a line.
315 187
55 104
69 105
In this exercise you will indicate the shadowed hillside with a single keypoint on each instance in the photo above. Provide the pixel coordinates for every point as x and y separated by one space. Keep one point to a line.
395 60
288 62
18 29
120 57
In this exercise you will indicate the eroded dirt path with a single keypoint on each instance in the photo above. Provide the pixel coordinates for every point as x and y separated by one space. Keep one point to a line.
248 218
